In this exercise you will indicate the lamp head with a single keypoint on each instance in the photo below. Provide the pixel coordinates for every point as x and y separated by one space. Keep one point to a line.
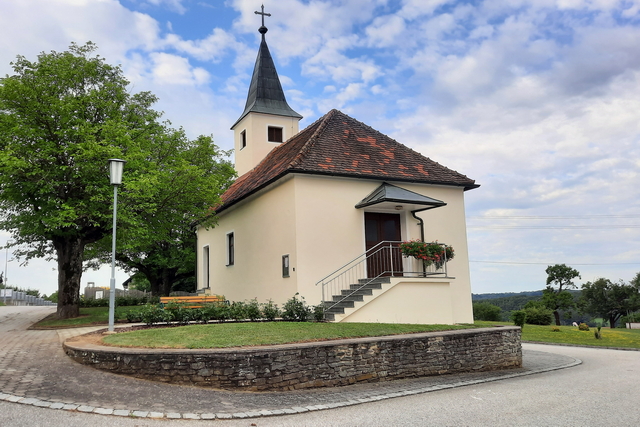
115 171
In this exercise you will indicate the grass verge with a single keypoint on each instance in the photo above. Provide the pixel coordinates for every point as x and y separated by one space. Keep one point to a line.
623 338
89 316
252 334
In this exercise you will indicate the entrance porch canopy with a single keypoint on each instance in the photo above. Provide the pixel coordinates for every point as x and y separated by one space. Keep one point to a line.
389 196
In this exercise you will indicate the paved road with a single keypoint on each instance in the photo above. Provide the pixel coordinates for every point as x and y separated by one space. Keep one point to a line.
602 391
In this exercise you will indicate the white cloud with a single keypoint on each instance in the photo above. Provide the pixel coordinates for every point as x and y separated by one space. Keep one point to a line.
173 5
211 48
175 70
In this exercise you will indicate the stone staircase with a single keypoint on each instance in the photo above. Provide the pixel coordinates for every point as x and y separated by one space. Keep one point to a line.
363 292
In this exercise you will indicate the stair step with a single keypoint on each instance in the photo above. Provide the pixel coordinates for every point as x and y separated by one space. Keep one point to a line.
372 285
377 280
335 310
345 303
354 297
363 291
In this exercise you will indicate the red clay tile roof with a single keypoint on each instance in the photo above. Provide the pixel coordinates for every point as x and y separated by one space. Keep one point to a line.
339 145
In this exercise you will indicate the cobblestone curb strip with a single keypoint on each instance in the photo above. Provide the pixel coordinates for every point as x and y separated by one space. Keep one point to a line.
265 413
316 364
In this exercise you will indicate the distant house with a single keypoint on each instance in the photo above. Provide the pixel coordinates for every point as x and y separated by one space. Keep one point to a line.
320 213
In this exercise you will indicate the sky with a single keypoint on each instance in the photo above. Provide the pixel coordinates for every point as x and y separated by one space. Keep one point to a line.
538 101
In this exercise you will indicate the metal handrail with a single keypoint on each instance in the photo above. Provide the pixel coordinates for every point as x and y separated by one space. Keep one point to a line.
357 262
354 260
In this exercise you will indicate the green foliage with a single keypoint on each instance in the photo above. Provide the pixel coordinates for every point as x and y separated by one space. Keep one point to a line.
519 317
253 311
597 334
53 297
555 329
611 300
296 310
270 311
561 276
538 316
121 301
486 311
318 313
238 310
583 327
61 118
152 314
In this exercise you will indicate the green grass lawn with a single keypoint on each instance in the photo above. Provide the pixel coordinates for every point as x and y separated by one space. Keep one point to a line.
246 334
624 338
250 334
89 316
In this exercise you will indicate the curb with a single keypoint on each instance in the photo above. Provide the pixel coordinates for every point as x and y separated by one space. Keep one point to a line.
265 413
582 346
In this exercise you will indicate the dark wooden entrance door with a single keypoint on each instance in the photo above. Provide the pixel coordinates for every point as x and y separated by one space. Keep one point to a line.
380 227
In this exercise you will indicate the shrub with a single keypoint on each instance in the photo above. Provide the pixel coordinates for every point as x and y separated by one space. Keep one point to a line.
270 311
151 314
296 310
133 316
555 329
539 316
238 310
253 311
486 311
318 313
597 334
200 315
180 313
519 317
583 327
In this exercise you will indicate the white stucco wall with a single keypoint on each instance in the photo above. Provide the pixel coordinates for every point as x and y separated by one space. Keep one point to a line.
255 125
422 301
264 230
314 219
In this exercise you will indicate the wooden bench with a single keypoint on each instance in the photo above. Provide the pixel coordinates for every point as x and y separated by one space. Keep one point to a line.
192 302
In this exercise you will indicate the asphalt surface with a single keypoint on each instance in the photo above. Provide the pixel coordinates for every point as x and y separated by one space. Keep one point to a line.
35 372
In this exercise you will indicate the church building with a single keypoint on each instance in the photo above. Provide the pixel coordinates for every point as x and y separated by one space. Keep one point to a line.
321 212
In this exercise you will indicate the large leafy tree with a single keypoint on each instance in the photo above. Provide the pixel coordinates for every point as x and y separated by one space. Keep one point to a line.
556 296
61 118
159 240
611 300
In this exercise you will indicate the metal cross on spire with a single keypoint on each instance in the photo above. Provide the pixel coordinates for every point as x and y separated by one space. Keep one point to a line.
263 14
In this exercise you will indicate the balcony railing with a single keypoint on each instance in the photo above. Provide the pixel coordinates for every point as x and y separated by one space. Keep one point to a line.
383 260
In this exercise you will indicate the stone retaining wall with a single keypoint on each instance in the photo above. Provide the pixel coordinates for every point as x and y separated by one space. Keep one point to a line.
317 364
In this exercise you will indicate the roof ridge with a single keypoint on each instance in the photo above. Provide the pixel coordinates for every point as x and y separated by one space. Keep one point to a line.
313 138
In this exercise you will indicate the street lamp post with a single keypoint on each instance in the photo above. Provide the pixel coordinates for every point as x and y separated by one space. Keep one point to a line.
5 283
115 173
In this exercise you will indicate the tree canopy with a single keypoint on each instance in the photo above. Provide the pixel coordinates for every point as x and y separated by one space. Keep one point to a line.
555 296
61 118
611 300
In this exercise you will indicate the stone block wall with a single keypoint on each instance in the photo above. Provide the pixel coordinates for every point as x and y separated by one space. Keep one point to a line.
317 364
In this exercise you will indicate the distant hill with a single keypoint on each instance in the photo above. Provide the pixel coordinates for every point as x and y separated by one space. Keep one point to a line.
509 301
479 297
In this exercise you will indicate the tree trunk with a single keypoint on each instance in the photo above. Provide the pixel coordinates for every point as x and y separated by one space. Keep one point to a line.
556 314
69 251
613 319
166 282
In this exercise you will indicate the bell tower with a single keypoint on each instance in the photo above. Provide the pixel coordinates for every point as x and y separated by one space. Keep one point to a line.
267 120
